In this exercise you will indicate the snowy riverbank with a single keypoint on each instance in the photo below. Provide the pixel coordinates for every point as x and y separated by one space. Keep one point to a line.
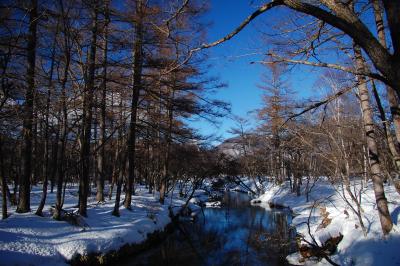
27 239
328 201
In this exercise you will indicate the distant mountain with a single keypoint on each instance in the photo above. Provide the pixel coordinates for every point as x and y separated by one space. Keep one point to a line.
232 147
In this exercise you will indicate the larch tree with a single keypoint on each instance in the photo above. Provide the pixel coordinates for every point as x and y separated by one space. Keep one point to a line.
274 112
87 112
46 140
24 189
101 161
137 68
62 127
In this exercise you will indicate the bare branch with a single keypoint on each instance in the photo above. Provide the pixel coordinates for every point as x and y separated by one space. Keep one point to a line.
255 14
179 11
325 65
318 104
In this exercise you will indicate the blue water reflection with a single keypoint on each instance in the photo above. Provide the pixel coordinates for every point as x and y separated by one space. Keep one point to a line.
235 234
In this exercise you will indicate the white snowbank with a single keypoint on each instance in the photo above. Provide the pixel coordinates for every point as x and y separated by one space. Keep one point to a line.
354 249
247 184
27 239
213 204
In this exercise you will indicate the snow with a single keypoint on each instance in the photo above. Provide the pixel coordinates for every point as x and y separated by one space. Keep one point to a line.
247 185
27 239
355 248
213 204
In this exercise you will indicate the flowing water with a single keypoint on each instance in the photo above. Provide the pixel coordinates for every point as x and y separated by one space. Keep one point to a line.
235 234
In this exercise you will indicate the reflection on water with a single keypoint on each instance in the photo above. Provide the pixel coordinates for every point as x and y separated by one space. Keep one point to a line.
236 234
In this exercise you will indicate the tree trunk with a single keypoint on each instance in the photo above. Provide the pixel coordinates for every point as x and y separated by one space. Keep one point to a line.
375 165
54 163
87 120
3 183
170 108
101 159
114 158
119 183
39 210
137 86
64 125
35 149
121 158
393 98
392 143
24 189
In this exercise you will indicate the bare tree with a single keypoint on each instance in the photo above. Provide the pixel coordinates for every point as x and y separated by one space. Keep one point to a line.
376 171
102 156
136 88
87 115
24 190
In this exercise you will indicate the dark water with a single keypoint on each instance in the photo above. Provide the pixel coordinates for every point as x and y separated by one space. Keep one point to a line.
235 234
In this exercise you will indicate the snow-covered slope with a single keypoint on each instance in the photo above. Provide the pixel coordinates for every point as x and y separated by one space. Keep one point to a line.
354 249
26 239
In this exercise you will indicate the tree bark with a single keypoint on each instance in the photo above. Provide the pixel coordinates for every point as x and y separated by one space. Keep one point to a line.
392 144
121 172
375 164
393 99
101 160
4 187
39 210
137 86
87 120
392 9
61 141
165 175
24 189
121 158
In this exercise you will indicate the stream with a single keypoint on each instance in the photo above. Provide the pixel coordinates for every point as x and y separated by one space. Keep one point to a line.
237 233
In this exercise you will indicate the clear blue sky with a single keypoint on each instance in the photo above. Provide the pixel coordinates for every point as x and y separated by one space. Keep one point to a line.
231 62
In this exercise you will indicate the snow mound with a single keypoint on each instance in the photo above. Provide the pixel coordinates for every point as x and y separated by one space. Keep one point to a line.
27 239
328 200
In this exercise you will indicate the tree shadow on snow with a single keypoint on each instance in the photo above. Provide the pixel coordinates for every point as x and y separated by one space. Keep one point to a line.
376 251
395 215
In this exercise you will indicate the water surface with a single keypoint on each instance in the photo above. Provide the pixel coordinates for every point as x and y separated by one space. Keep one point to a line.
235 234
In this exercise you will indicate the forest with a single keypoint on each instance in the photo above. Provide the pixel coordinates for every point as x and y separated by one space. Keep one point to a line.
100 155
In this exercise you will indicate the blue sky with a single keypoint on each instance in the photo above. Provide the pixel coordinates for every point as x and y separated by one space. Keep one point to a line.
231 62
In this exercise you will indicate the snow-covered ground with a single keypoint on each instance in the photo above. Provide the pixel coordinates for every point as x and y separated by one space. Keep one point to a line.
355 248
246 185
27 239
